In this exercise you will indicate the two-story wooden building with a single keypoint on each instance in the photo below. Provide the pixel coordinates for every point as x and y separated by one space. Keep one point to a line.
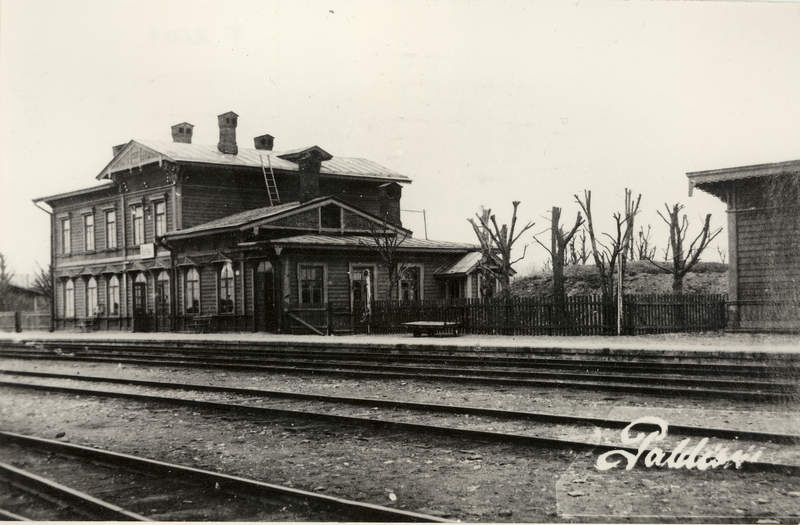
178 232
763 204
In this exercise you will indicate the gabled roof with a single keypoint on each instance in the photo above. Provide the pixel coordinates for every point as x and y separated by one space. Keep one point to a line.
250 218
141 152
466 265
365 241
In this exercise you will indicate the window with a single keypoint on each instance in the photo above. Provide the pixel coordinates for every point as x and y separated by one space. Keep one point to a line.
331 216
161 218
192 295
113 295
91 297
226 290
162 293
88 233
111 229
66 242
69 298
362 286
409 286
137 216
311 279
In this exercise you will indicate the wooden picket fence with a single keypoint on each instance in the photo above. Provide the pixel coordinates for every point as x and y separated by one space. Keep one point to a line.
581 315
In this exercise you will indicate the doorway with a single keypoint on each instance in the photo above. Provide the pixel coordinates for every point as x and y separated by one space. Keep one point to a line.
264 300
141 321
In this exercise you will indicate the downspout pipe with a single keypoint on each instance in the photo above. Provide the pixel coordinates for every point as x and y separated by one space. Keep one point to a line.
52 264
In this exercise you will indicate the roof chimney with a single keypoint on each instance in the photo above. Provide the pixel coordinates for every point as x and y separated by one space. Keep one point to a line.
116 149
264 142
182 133
227 133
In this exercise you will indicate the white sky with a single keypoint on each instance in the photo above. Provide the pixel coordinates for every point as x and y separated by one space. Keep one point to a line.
479 102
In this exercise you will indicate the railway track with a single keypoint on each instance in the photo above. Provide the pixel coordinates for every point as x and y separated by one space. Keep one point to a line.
534 417
412 425
96 484
771 383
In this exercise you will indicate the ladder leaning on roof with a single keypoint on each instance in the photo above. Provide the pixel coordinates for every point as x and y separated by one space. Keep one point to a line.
269 180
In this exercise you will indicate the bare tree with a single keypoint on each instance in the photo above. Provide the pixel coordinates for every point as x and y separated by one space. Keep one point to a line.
723 255
683 259
6 300
559 240
644 251
386 242
498 242
608 255
43 282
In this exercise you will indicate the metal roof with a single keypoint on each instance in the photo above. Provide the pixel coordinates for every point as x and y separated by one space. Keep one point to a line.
252 158
237 219
90 189
365 241
464 265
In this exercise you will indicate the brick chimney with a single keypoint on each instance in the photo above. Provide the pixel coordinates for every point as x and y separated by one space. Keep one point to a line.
309 166
116 149
227 133
264 142
182 133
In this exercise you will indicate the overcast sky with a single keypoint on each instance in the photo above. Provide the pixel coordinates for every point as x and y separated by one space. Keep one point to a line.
479 102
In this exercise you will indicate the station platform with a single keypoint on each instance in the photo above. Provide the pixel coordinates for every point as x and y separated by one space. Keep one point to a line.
714 345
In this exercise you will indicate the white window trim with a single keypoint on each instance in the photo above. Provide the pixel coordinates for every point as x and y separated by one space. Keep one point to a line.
105 225
186 288
421 291
110 303
324 281
67 313
233 287
64 249
373 268
94 233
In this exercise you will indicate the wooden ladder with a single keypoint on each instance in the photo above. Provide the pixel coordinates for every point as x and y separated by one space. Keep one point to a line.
269 180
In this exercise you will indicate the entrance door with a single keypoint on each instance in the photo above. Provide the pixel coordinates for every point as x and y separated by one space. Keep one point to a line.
265 312
141 321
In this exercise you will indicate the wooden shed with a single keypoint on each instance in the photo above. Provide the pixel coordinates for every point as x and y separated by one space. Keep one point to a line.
763 207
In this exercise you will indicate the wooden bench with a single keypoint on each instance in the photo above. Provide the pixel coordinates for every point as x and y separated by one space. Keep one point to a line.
431 328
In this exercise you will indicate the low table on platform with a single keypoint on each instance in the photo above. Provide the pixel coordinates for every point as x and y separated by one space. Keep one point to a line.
434 327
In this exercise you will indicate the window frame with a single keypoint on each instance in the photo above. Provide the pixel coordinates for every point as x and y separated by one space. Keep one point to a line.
88 240
186 295
92 303
163 276
231 280
420 282
113 284
111 229
300 287
69 299
137 233
66 236
156 216
354 266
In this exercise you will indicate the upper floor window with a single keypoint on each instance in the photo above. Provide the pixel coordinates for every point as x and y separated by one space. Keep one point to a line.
192 292
66 240
113 295
161 218
91 298
137 218
111 229
88 232
331 216
69 298
311 281
226 289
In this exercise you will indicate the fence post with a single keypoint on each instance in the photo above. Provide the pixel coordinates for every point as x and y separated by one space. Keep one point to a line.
328 318
17 322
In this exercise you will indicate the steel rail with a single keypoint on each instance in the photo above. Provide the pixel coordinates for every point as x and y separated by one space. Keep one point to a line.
542 417
91 507
356 421
379 374
367 511
6 515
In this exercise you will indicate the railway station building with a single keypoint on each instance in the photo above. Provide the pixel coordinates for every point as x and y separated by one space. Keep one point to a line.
763 208
183 236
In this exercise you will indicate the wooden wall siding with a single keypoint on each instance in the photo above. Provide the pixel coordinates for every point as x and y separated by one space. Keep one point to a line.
58 296
769 254
102 299
308 219
80 297
364 195
205 203
248 286
353 221
180 279
338 265
208 289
